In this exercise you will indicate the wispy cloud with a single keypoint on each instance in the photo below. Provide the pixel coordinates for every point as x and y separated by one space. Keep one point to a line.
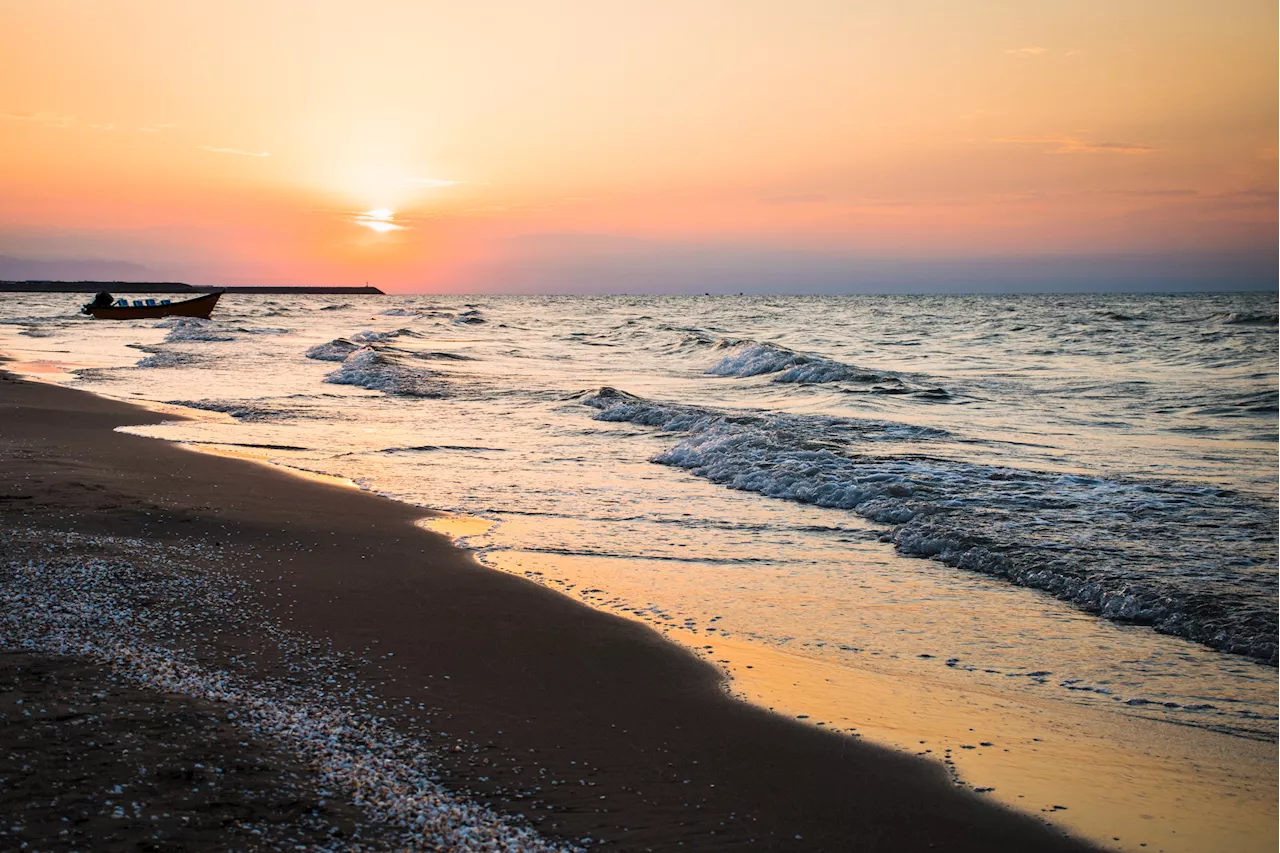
1266 196
432 183
1027 51
380 220
155 128
1079 146
237 151
108 126
46 119
1074 145
1170 193
797 198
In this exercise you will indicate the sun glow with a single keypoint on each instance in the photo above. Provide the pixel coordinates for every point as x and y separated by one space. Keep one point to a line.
814 134
379 219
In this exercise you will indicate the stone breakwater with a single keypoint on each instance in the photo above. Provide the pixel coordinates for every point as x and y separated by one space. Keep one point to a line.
149 617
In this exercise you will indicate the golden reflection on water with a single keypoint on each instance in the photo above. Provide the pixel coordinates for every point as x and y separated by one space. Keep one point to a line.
43 369
457 528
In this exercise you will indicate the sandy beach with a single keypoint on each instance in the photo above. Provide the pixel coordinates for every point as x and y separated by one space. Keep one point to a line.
555 426
577 723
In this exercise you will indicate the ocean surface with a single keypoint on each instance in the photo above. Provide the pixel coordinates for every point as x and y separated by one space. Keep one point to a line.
1068 498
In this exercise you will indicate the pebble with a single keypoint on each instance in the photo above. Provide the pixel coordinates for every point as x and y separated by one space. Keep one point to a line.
147 610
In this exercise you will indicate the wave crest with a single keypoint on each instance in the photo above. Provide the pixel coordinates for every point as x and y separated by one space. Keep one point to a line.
1137 551
367 368
752 358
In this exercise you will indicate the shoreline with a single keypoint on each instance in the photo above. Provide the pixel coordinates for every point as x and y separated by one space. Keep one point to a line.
1031 754
1033 757
522 668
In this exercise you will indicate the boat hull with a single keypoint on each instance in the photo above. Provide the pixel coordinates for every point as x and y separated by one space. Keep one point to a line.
201 306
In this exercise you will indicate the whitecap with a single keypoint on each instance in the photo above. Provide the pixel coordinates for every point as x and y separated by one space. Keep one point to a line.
335 350
1129 550
376 371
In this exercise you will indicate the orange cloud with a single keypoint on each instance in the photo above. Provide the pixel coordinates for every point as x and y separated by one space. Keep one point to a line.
240 151
46 119
1074 145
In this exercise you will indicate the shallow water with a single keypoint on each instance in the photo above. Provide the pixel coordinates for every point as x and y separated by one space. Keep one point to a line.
950 490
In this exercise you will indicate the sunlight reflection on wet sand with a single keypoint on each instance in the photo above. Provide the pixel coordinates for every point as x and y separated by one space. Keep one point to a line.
1115 778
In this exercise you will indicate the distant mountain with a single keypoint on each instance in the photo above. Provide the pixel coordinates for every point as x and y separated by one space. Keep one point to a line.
28 269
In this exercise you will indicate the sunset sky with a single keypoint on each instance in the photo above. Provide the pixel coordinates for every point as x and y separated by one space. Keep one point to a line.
807 145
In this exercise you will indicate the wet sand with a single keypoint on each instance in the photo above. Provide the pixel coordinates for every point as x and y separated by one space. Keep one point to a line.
1128 782
647 749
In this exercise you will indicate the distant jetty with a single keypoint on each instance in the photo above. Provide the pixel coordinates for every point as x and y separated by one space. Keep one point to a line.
162 287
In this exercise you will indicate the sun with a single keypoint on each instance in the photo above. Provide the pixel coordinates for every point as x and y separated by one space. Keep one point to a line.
380 219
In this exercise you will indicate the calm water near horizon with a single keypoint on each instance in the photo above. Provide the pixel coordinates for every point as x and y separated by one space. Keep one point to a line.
1062 502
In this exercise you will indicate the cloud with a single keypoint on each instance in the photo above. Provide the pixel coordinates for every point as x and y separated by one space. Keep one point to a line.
1171 193
46 119
797 198
1255 198
1078 146
238 151
432 183
55 120
1027 51
380 220
1074 145
155 128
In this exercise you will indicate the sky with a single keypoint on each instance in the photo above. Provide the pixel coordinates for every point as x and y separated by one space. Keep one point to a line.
665 146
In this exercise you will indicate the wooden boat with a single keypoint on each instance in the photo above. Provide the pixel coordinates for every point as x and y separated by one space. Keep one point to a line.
144 309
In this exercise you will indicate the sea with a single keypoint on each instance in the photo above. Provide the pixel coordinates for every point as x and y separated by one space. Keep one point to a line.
1064 503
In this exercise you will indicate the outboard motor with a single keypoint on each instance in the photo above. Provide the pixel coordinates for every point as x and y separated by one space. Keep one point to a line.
102 300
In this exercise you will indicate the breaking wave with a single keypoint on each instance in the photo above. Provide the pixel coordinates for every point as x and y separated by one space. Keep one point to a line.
166 358
754 359
373 337
192 329
1247 318
751 358
1188 560
377 371
339 348
241 411
335 350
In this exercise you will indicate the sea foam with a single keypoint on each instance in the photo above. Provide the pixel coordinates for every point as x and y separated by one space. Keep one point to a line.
1130 550
182 329
377 371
